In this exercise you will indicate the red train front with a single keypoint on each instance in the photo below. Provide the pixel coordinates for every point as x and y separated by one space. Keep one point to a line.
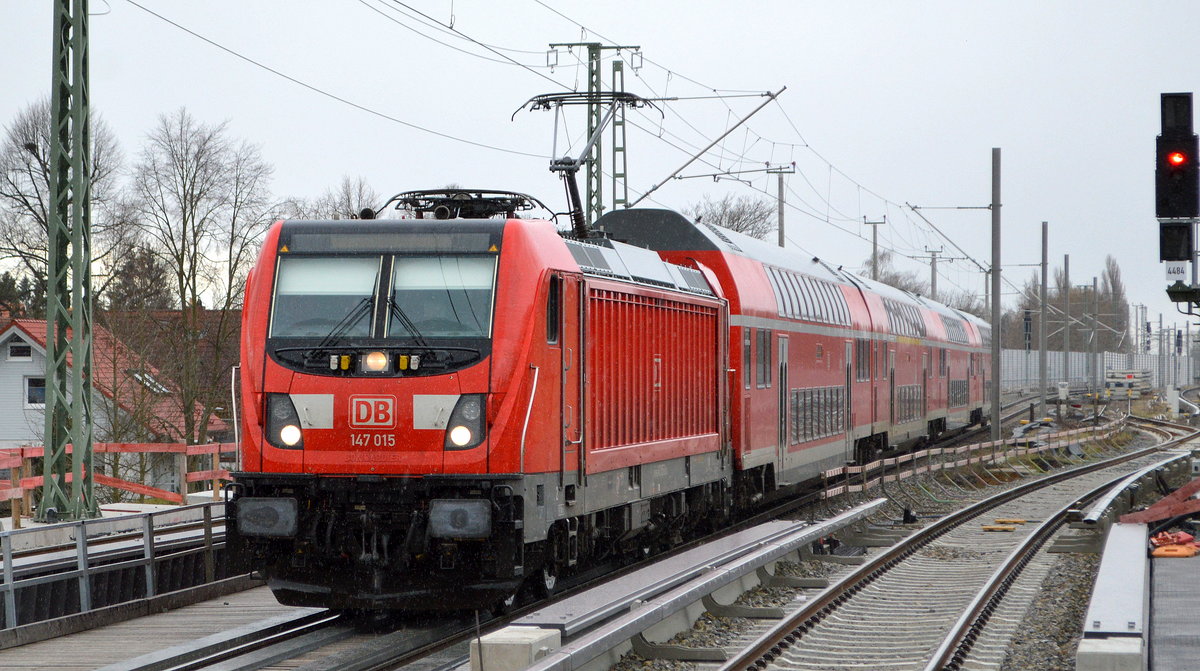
416 396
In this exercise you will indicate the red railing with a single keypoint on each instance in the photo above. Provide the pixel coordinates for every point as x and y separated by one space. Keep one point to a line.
23 482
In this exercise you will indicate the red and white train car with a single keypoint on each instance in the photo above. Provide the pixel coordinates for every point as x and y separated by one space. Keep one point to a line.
830 368
438 413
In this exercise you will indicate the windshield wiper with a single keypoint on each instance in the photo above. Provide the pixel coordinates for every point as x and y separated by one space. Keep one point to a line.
339 329
398 313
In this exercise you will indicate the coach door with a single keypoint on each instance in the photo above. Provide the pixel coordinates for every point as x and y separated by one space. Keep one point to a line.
891 368
781 449
571 458
925 385
848 425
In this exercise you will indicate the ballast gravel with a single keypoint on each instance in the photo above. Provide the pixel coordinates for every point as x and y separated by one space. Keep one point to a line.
1052 624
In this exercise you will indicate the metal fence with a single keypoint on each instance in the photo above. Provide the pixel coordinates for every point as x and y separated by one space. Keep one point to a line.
1019 369
116 560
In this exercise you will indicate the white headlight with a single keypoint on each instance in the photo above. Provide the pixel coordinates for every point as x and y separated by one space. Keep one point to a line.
290 434
375 362
460 435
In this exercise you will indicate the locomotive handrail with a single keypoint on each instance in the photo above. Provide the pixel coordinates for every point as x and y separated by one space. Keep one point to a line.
528 412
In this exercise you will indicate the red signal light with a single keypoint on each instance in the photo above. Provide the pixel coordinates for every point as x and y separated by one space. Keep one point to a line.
1177 158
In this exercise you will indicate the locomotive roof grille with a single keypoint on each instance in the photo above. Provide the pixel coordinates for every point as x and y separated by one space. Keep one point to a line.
636 265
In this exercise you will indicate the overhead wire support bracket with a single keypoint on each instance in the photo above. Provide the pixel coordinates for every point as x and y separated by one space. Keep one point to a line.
568 167
770 170
770 98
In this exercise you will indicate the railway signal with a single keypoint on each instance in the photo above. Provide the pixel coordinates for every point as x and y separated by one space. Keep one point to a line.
1177 173
1177 196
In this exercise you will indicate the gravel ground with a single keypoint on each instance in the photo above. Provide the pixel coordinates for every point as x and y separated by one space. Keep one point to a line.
712 631
1055 618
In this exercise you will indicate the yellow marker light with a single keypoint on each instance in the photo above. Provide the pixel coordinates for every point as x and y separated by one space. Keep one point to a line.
375 362
402 362
345 363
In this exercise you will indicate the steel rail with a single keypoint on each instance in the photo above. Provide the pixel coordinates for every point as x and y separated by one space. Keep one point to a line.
228 645
771 644
952 654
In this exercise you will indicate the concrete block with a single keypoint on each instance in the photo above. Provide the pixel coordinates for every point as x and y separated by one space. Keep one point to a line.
513 648
1114 653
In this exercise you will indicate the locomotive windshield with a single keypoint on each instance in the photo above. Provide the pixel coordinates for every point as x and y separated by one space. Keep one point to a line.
316 295
442 296
426 296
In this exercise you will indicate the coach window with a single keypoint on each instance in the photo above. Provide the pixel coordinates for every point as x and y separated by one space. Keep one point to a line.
943 365
807 300
764 358
793 296
777 286
797 299
862 360
746 355
827 302
554 309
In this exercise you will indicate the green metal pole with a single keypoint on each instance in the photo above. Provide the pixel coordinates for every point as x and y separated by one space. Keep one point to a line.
595 179
68 297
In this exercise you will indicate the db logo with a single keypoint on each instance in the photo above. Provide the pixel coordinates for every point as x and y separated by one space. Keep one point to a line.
373 412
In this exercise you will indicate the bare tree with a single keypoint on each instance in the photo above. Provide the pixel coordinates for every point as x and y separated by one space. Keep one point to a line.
341 202
745 214
1112 332
25 193
966 302
907 280
202 202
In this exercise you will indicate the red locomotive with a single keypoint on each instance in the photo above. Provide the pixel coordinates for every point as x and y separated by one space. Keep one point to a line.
439 412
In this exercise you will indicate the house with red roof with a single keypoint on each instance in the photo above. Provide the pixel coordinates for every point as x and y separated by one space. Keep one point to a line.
132 401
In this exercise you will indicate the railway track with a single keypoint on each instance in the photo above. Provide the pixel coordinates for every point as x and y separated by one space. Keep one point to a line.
331 642
937 600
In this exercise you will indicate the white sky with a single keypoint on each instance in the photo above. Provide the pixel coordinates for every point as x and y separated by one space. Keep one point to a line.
887 103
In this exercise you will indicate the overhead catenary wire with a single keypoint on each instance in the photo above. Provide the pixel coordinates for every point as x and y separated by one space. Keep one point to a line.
327 94
431 38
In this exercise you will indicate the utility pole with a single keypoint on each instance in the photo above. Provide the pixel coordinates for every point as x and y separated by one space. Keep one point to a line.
594 194
1043 374
995 293
1067 326
875 244
1096 363
1162 381
68 286
987 291
779 173
933 261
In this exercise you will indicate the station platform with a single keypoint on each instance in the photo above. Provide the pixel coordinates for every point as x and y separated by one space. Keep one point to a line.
102 646
1174 605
